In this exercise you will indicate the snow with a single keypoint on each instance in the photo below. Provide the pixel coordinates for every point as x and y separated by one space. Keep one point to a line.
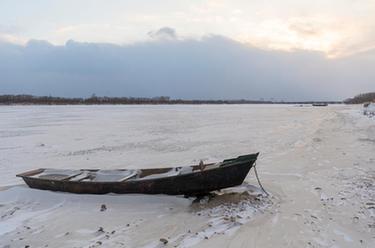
57 173
113 175
113 137
370 110
317 163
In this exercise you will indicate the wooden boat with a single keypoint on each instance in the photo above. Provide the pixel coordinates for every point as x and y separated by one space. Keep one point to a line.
188 180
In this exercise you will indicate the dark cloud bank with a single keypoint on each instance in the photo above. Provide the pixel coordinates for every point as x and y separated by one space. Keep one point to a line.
212 68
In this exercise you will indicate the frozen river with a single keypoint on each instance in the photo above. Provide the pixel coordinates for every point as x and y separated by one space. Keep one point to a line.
317 162
145 136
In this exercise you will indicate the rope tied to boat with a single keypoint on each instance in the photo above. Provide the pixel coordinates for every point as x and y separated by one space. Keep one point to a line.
260 184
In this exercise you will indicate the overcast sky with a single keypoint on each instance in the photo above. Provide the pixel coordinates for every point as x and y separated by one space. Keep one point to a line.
290 50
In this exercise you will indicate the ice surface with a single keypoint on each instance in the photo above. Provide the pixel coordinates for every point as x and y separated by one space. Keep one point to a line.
303 152
112 137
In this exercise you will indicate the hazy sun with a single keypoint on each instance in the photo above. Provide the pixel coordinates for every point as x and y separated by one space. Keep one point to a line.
301 34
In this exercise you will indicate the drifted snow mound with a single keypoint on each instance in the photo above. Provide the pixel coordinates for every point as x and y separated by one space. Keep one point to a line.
370 110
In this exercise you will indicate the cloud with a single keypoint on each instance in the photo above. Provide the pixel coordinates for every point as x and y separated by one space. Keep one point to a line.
213 67
11 33
6 37
304 28
164 33
336 28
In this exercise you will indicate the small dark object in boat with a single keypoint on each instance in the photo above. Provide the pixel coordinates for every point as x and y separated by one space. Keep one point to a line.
188 180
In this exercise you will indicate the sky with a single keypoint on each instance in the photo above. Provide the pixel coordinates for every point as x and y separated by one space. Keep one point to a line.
283 50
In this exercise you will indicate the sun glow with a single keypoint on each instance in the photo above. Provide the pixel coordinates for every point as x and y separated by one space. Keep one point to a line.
300 34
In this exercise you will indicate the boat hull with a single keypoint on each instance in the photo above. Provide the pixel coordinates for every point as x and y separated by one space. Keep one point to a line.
197 183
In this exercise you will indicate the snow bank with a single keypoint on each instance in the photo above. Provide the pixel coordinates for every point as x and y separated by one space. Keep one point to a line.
370 110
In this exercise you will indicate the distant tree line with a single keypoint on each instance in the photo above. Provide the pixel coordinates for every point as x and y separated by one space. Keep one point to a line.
361 98
50 100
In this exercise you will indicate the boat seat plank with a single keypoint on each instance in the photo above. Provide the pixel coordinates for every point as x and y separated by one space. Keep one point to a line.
57 174
106 176
172 172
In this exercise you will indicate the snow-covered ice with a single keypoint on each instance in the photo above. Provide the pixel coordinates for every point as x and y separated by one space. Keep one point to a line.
317 163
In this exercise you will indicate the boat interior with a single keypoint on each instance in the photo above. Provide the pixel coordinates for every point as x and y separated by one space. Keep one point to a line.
118 175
